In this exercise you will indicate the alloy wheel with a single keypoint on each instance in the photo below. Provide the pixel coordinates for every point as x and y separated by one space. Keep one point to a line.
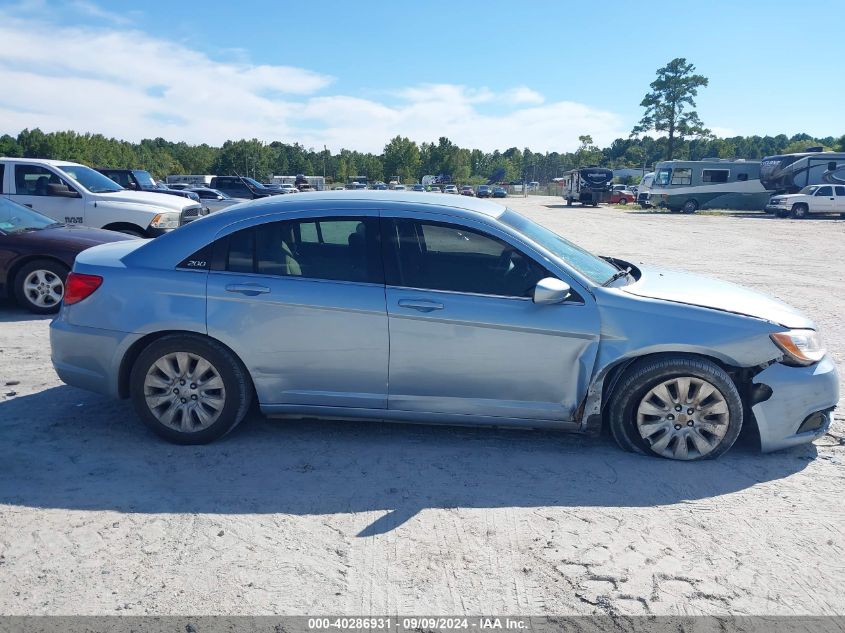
43 288
184 391
683 418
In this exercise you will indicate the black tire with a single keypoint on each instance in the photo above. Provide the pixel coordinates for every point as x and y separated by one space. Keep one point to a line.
39 300
644 375
690 206
799 211
623 201
569 202
235 378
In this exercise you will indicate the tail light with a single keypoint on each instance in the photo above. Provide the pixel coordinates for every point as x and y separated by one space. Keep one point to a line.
79 287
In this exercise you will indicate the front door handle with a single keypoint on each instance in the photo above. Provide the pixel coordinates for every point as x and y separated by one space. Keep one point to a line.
248 289
423 305
27 205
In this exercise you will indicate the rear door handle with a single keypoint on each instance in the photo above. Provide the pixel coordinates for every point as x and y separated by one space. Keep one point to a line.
248 289
27 205
423 305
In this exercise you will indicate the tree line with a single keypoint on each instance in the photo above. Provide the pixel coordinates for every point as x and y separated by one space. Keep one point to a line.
401 156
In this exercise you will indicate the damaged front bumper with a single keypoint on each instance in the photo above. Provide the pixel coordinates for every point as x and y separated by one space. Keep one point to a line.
800 405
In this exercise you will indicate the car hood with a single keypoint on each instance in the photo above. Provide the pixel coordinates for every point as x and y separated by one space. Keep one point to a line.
682 287
72 237
158 200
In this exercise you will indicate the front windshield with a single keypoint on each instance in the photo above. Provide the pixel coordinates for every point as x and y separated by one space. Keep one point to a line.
93 181
663 177
146 180
592 267
16 218
809 190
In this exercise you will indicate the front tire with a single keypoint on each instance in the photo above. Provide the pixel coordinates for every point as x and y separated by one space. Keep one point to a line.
677 407
189 389
799 211
40 286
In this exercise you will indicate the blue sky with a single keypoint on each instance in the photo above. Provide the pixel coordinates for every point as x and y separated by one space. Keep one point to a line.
489 75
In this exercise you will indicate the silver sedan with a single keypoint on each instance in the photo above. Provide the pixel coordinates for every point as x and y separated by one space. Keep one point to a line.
415 307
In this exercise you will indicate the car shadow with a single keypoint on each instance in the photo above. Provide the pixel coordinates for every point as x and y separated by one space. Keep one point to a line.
69 449
11 312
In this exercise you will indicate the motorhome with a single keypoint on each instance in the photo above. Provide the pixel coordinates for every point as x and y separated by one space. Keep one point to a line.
715 183
586 185
195 180
789 173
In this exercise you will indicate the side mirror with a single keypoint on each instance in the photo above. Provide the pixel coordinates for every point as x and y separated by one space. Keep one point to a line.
551 290
61 191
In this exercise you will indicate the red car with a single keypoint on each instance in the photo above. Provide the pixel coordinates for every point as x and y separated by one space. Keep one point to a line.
36 254
622 197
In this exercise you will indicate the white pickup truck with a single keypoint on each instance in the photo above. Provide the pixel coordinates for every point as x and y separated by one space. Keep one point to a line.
811 199
76 194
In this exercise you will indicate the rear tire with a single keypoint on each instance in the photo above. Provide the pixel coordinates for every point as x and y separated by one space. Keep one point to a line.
690 206
702 423
799 211
189 389
40 286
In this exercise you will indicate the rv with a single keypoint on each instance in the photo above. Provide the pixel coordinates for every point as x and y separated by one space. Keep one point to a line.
585 185
715 183
789 173
194 180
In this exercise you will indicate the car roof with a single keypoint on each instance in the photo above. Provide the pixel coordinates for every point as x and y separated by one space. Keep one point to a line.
42 161
195 235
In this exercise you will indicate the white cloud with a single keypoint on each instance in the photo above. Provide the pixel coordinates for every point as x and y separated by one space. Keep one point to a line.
128 84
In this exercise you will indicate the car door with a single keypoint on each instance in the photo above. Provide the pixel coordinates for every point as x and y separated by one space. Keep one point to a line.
302 303
823 200
31 188
465 336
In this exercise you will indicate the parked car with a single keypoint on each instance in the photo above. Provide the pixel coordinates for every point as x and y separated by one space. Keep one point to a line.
398 187
380 186
500 192
434 189
814 199
289 188
466 190
418 188
141 180
622 196
453 189
36 254
477 314
180 186
215 200
242 187
75 194
484 191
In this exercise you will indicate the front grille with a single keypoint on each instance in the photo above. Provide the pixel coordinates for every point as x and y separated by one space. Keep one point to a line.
192 213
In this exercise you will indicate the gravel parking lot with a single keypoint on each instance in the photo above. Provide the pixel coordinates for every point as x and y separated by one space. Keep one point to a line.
97 516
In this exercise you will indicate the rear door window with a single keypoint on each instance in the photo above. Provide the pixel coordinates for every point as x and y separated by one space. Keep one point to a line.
840 191
336 249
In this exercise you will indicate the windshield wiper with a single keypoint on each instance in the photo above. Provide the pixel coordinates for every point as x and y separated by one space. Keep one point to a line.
617 275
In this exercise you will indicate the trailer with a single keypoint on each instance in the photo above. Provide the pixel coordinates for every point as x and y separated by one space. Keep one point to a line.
714 183
316 183
196 180
789 173
586 185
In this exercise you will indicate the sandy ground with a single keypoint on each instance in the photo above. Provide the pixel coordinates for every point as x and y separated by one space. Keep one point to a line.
99 517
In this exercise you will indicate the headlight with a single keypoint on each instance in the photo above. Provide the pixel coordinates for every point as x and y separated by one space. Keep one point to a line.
800 347
165 221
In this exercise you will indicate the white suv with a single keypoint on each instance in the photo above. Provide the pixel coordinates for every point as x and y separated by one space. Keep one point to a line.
811 199
75 194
